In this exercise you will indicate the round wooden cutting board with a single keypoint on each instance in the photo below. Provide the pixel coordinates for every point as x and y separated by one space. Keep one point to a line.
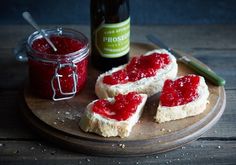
58 121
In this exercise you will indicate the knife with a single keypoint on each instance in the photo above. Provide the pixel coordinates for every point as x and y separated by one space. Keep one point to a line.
200 69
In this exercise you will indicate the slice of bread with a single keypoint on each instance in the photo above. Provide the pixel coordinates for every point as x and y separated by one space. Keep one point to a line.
195 107
107 127
149 86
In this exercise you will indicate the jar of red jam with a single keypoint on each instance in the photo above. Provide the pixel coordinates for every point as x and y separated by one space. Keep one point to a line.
57 74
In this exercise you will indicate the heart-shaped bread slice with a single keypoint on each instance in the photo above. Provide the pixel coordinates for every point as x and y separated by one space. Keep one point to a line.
113 116
183 97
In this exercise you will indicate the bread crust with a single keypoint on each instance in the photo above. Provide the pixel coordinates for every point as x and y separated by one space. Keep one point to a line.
93 122
149 86
193 108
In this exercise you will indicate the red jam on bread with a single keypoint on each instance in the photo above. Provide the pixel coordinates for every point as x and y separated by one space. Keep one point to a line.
138 68
180 91
122 107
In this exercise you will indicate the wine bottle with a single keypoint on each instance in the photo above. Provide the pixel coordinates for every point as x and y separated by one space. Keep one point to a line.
110 33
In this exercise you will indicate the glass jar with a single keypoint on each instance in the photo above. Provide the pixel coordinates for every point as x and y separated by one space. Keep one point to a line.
58 75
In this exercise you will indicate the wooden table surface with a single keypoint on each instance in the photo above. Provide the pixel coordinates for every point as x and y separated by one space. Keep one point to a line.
215 45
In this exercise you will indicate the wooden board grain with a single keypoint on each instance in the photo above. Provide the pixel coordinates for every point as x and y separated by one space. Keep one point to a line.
58 121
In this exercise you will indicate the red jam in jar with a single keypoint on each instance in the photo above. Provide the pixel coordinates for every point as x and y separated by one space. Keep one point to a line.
180 91
122 107
138 68
58 74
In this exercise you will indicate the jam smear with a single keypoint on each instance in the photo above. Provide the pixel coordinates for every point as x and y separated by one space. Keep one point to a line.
118 77
180 91
121 109
138 68
41 73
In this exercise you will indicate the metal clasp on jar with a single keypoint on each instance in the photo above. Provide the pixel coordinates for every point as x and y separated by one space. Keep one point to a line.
57 76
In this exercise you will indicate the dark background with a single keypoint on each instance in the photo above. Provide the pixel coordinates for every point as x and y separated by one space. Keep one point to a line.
143 12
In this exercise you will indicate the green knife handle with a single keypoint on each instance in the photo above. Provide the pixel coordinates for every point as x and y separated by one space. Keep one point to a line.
208 74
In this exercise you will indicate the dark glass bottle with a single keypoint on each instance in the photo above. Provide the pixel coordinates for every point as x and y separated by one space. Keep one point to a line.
110 33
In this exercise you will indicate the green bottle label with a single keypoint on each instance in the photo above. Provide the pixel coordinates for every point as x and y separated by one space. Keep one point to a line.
112 40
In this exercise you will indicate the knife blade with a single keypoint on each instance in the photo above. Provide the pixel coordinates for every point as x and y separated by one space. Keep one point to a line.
200 69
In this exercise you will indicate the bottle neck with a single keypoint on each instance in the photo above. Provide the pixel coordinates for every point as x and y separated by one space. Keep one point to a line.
109 11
